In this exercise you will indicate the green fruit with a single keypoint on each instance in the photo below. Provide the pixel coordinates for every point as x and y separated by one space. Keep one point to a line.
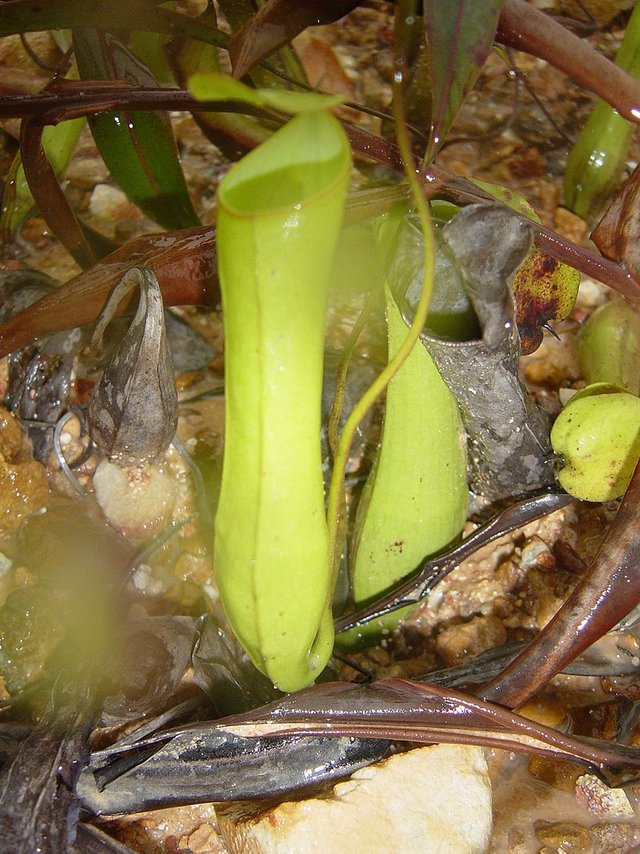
598 438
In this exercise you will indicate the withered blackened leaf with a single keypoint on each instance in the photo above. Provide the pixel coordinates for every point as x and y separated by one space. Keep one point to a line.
225 672
133 410
489 243
509 435
157 654
509 450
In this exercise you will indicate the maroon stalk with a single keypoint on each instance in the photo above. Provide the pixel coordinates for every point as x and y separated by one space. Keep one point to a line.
525 28
184 262
609 590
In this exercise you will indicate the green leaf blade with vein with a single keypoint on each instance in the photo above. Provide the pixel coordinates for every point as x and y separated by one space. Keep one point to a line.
137 146
460 34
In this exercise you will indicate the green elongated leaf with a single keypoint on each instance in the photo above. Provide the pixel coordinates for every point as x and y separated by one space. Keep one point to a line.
23 16
276 23
137 146
279 213
460 34
218 87
599 154
233 133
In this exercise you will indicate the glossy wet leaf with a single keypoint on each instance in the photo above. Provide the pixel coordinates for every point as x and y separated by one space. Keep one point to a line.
50 198
137 146
276 23
219 87
24 16
433 570
599 154
460 34
205 763
281 748
509 452
133 411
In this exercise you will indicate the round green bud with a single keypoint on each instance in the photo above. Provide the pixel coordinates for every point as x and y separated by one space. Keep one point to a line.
597 438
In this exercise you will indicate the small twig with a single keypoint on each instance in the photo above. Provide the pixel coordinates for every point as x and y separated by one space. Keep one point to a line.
57 447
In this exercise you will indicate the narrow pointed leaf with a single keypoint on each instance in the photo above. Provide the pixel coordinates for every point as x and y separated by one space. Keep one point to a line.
460 34
233 759
137 146
49 197
58 142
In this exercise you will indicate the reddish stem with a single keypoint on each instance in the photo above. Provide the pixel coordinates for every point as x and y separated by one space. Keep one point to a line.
48 194
609 590
525 28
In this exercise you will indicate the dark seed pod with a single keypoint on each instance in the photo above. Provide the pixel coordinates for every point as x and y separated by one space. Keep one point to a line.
133 411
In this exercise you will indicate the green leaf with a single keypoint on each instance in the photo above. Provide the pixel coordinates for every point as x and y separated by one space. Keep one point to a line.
460 34
137 146
218 87
599 154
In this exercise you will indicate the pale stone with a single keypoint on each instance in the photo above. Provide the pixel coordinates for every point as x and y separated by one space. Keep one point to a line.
435 799
138 501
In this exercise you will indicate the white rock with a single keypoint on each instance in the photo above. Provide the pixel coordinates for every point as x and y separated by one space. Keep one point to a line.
137 501
431 799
